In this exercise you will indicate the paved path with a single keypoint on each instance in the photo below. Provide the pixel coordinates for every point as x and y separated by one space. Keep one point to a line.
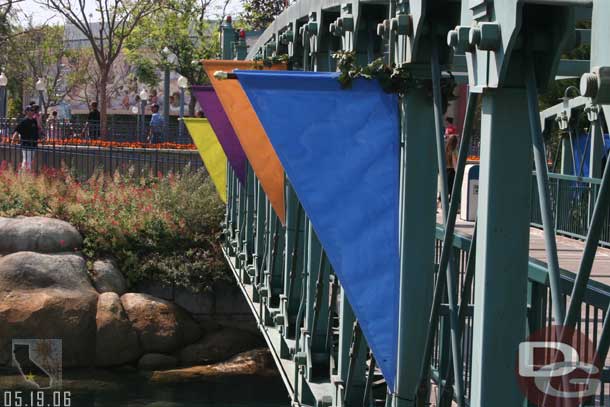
569 251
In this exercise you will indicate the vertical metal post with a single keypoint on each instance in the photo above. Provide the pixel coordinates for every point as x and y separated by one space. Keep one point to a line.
567 154
259 246
227 38
3 102
181 125
418 177
166 102
502 247
597 149
248 234
142 114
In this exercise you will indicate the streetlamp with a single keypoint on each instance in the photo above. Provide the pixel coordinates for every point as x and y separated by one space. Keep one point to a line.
3 83
170 60
183 83
41 86
143 100
136 110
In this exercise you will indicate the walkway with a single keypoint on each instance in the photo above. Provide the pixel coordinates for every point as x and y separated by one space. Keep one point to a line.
569 251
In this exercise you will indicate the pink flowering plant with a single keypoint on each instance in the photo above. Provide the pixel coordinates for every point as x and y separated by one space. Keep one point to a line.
157 228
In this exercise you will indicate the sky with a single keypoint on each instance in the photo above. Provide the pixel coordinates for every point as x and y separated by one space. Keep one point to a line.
42 15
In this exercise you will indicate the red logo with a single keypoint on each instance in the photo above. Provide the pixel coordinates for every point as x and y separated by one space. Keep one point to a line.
558 369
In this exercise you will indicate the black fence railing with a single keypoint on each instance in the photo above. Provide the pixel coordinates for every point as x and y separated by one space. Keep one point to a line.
81 147
118 129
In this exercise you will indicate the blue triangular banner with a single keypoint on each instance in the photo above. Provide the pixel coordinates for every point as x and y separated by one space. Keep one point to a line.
339 149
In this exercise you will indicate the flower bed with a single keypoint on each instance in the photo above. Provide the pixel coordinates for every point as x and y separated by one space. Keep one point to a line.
108 144
166 229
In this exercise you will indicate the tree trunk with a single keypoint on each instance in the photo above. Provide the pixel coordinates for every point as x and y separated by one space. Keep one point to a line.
103 101
192 104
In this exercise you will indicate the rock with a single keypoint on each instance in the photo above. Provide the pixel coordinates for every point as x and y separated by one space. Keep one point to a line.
157 361
50 313
219 346
116 341
156 289
48 296
258 362
38 234
29 271
107 277
161 325
195 303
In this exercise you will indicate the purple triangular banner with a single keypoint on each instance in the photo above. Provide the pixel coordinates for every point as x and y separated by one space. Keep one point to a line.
212 108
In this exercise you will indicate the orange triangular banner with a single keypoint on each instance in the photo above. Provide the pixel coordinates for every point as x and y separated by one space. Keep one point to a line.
250 132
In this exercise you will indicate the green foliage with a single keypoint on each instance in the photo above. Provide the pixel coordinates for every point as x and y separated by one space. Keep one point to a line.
144 70
40 51
164 229
392 79
258 14
182 27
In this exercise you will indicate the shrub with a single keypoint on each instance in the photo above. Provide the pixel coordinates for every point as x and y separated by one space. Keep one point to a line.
160 228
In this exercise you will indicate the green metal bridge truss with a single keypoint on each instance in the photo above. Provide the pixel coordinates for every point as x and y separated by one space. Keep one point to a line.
459 327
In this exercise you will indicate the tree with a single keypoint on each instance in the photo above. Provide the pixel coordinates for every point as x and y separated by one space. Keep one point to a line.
188 29
258 14
40 51
116 20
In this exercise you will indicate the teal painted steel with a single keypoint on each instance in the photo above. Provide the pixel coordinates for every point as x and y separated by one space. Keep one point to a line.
418 174
502 247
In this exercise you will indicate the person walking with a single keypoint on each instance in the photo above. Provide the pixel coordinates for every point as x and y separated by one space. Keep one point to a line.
157 125
451 157
27 133
53 126
93 122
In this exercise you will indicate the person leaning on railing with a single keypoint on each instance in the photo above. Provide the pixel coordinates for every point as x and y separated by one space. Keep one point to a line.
28 133
157 125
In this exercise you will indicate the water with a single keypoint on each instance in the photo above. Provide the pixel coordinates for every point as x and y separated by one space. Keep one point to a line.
129 389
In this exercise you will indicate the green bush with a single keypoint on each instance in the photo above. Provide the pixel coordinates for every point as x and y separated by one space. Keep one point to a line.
165 229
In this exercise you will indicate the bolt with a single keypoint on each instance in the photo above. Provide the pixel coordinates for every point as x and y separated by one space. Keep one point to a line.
381 29
394 24
589 85
312 27
347 22
486 36
474 38
452 38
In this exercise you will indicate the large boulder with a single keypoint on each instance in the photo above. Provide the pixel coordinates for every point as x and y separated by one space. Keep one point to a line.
48 296
32 271
38 234
161 326
117 341
107 278
219 346
157 361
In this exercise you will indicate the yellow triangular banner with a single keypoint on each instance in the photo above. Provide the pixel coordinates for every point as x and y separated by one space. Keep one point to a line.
211 152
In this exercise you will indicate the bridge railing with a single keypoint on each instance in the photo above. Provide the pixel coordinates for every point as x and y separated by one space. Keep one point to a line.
592 312
573 200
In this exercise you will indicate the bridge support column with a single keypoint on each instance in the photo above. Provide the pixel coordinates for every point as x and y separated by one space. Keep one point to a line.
418 180
502 247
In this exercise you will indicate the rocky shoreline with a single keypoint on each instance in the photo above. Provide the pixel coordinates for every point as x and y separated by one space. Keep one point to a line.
47 292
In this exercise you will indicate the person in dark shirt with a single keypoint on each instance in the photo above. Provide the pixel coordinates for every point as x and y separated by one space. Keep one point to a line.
93 122
28 133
